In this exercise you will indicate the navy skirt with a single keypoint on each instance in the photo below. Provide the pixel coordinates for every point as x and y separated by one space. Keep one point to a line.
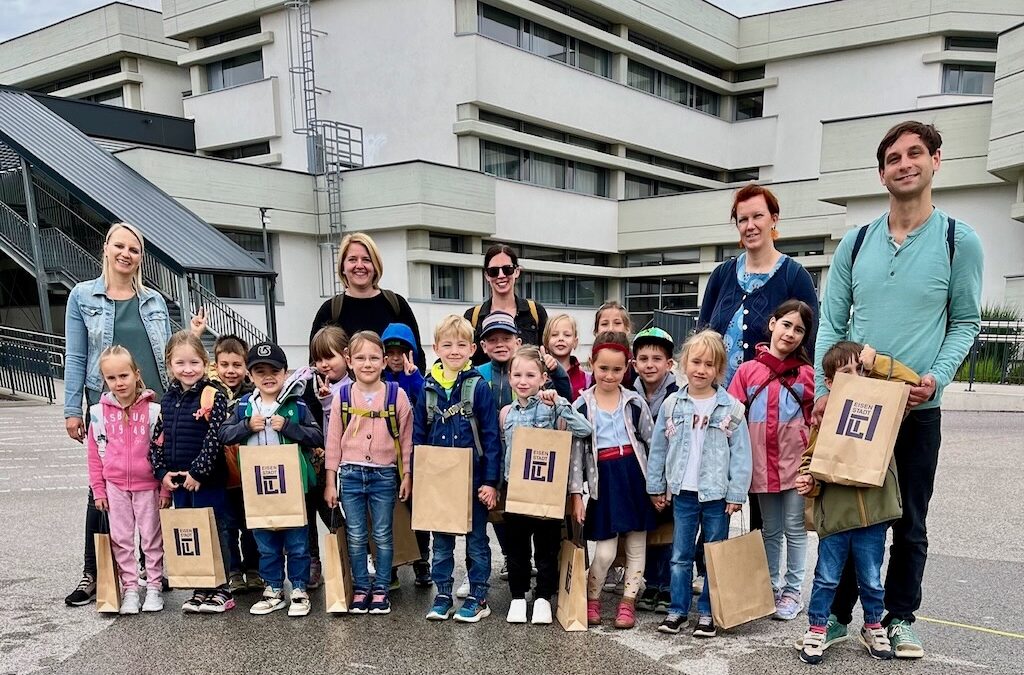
624 505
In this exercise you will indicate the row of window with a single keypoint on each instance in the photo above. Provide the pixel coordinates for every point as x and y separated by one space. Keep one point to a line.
527 166
455 243
80 78
653 81
234 287
447 282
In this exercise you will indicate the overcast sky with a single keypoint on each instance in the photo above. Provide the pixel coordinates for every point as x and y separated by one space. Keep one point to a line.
22 16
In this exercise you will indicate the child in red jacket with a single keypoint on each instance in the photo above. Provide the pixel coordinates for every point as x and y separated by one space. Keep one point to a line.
120 430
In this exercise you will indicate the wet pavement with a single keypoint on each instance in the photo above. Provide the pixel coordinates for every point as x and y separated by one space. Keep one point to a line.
972 619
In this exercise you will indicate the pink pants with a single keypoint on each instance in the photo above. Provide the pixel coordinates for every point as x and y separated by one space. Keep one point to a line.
129 510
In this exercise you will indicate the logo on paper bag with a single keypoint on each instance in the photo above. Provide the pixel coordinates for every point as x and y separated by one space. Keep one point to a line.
270 480
540 465
568 576
859 420
186 542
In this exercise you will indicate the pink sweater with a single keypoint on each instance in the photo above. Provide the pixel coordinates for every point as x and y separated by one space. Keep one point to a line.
125 461
367 440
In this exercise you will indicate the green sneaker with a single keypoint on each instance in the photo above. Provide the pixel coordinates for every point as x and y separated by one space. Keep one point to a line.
904 641
835 633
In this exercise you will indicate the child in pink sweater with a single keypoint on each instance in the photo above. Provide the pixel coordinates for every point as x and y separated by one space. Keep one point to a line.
120 430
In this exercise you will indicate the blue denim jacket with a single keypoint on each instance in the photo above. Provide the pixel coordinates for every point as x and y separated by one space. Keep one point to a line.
89 328
541 416
725 463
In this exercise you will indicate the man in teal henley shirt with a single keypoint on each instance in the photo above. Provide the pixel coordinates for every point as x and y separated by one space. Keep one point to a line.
904 297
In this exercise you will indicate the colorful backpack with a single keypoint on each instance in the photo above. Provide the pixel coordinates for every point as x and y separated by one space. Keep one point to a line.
389 414
464 407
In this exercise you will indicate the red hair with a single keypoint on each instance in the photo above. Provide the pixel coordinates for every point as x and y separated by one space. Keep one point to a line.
750 191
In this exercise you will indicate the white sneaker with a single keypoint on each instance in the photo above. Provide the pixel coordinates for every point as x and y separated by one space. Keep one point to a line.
154 600
273 600
463 590
130 602
541 612
300 603
517 611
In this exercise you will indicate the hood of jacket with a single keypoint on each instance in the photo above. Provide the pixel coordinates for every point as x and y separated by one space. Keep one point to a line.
146 396
660 394
399 331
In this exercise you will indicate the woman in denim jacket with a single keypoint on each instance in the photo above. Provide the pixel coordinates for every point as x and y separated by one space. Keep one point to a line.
700 461
113 309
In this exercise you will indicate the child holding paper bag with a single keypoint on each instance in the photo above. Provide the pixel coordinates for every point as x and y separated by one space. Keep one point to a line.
532 407
851 522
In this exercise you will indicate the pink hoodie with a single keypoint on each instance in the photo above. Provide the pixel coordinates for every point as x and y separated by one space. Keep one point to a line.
125 461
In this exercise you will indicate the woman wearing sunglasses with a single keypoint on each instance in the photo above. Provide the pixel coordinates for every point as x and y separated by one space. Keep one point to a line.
501 270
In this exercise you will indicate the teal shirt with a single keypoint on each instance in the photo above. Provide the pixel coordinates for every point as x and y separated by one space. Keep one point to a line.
895 298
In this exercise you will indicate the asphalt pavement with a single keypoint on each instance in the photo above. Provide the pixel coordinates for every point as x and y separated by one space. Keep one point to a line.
972 619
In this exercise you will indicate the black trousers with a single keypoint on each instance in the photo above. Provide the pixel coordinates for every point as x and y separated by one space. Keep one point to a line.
94 524
543 538
917 456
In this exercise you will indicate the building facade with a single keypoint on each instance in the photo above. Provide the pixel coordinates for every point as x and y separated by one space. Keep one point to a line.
604 138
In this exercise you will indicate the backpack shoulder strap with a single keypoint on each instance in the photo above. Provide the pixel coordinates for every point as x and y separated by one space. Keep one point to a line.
764 385
392 299
98 428
345 404
154 416
533 311
430 401
951 238
467 397
391 417
476 316
857 243
336 303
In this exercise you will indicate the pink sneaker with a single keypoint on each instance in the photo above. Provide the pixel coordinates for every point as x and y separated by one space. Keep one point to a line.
593 612
625 617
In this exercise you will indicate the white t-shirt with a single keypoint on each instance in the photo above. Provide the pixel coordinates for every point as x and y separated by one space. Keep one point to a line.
260 407
697 428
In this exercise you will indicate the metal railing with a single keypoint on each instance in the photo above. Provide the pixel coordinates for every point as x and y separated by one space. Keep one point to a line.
997 355
55 346
62 255
15 230
221 319
26 369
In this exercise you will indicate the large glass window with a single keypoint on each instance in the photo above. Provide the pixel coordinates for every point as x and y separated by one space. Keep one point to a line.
112 97
974 44
560 289
749 106
80 78
532 252
641 186
233 34
499 160
499 24
543 132
791 247
654 45
647 294
653 81
234 71
975 80
235 287
446 282
506 161
449 243
676 257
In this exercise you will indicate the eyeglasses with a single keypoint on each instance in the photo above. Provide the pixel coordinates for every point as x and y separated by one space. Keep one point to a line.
507 270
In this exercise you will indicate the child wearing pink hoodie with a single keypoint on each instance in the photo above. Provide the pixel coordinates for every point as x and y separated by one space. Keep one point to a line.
120 430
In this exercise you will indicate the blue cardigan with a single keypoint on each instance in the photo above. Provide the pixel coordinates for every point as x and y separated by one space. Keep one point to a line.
724 295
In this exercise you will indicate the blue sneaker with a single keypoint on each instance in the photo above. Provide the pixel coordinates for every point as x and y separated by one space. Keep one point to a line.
473 610
360 603
380 603
442 609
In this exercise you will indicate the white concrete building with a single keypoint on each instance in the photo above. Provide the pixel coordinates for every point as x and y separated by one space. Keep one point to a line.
603 136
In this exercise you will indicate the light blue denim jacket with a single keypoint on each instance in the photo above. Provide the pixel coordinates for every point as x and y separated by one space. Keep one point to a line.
89 329
725 463
540 416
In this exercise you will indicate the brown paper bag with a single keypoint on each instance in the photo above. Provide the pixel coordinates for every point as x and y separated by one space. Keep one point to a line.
809 514
738 581
571 608
443 480
337 572
859 429
272 486
538 472
406 549
662 535
108 592
192 554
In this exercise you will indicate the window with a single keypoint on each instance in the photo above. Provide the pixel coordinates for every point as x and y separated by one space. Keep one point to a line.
543 41
564 8
240 151
676 257
647 294
560 289
640 186
749 106
653 45
112 97
645 78
80 78
748 74
233 34
589 258
543 132
675 165
742 175
968 79
235 287
446 282
449 243
234 71
973 44
505 161
791 247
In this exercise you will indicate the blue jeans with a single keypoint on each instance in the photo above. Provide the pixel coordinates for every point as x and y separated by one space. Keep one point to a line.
209 497
783 513
478 553
714 522
274 545
866 547
375 489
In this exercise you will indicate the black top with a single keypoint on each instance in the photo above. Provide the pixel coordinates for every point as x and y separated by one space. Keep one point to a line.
370 314
530 331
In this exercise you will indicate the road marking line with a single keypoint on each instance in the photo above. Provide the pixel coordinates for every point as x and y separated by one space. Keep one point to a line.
1002 633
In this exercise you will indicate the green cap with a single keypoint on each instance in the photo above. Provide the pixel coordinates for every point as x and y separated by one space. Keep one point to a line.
653 335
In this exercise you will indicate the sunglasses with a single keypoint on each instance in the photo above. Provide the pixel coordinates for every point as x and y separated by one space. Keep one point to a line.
507 270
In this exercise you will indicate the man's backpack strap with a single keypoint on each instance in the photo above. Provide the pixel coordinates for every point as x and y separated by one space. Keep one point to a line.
950 240
857 243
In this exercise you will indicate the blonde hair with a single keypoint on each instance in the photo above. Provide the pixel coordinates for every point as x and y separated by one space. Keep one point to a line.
617 306
185 338
551 326
531 354
115 351
371 247
328 341
105 263
364 336
454 325
705 340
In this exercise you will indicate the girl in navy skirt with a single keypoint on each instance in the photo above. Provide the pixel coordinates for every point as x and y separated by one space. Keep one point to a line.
613 463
